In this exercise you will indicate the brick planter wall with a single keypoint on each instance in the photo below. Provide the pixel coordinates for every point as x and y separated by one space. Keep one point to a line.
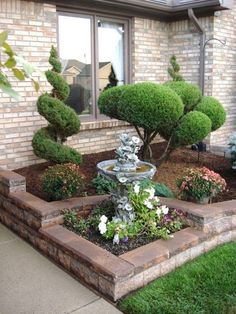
38 222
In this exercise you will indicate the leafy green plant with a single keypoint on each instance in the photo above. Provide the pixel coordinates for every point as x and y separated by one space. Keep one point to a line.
162 190
103 185
61 181
63 122
19 67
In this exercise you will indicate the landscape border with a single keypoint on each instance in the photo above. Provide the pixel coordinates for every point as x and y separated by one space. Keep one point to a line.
40 223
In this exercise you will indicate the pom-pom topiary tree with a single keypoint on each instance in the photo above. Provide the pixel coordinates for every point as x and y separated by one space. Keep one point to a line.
158 109
146 106
190 94
63 122
214 110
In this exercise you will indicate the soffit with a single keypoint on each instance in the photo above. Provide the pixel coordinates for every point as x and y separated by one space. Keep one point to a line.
167 10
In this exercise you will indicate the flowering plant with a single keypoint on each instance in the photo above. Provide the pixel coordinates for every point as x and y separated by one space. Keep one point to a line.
151 220
200 183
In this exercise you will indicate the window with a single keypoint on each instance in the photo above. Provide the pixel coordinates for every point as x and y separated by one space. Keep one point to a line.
94 53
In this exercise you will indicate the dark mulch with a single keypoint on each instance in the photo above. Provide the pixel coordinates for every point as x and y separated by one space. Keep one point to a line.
166 173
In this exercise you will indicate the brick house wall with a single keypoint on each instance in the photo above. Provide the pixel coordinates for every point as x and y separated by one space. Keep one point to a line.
32 30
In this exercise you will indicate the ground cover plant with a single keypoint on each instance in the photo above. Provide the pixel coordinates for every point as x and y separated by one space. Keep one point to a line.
63 121
205 285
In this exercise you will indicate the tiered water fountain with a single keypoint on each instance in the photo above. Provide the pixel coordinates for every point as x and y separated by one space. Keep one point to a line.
124 170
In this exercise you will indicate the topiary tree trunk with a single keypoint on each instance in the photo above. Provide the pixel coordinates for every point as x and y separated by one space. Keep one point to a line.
63 121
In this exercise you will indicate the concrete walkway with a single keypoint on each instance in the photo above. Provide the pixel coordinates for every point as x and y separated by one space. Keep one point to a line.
31 284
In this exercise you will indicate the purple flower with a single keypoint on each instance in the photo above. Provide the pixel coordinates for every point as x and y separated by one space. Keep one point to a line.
125 239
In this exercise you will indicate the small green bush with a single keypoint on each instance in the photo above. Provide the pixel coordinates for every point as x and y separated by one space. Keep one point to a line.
103 185
214 110
193 128
189 93
163 190
61 181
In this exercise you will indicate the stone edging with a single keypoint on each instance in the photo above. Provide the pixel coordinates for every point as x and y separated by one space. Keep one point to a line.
114 276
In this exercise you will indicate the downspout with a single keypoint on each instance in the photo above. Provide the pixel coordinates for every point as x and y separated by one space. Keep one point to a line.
202 34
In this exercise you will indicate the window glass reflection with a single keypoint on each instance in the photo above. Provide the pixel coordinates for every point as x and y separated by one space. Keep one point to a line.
111 54
75 52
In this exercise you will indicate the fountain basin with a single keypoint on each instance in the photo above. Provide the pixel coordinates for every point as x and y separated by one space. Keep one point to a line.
144 170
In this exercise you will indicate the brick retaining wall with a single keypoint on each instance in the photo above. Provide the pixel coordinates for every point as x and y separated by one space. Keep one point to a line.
38 222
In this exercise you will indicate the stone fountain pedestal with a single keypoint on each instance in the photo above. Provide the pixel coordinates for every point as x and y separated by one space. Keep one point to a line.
126 169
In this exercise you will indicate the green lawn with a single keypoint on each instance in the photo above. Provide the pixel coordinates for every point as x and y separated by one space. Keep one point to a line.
206 285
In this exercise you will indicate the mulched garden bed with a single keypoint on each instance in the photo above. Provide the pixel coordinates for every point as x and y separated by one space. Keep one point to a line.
166 173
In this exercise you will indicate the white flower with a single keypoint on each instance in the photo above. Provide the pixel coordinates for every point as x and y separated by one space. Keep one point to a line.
122 179
158 211
102 227
148 204
103 219
151 192
136 189
164 209
116 239
135 139
156 199
128 207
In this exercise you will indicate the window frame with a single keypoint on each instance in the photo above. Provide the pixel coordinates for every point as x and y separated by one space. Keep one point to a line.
94 17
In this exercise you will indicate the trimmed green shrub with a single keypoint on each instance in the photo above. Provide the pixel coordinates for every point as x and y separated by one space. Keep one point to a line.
193 127
63 121
103 185
189 93
61 181
150 106
109 99
214 110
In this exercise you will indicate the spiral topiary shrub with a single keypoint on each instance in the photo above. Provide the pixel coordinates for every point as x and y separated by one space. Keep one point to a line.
63 122
189 93
193 127
214 110
61 181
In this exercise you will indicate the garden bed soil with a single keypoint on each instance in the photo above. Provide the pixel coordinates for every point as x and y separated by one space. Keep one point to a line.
167 173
